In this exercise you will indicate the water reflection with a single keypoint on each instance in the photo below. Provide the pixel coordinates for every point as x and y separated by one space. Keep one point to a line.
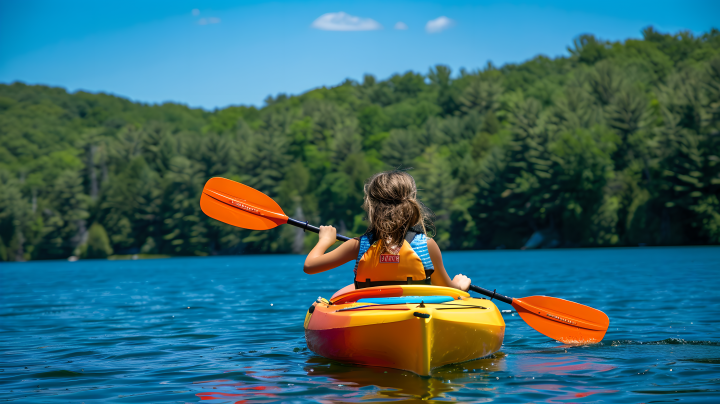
328 381
562 366
241 392
557 393
480 380
392 384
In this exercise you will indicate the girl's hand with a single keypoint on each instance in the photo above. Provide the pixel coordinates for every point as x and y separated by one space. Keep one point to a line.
328 235
462 282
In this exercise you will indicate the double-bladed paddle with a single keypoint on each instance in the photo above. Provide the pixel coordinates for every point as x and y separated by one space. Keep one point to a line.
242 206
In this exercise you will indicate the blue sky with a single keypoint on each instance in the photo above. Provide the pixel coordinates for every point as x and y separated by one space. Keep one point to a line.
216 53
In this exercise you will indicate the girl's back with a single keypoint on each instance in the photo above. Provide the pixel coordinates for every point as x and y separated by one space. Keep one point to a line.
395 248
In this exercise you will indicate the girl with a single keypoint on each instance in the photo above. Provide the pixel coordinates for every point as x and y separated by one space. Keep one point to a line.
395 249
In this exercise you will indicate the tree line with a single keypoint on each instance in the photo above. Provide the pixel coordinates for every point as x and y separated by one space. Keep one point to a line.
615 144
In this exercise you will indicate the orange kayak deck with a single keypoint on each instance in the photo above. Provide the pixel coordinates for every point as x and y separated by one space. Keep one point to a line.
417 337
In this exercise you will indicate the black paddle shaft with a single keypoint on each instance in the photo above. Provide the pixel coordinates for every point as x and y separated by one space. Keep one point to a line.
491 293
309 227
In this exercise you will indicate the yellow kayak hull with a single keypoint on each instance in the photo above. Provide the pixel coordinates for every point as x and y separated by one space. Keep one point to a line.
409 336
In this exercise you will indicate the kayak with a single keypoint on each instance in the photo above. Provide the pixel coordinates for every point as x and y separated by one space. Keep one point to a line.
410 327
378 335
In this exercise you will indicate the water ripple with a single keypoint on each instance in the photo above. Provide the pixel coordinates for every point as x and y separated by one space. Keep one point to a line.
217 329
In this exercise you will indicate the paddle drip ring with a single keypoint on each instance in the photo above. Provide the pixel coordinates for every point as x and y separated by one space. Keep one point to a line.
493 296
305 227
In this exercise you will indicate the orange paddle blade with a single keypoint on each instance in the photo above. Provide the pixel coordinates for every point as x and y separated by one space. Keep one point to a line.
563 320
239 205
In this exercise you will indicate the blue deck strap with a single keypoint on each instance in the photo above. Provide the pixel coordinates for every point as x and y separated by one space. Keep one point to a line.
407 299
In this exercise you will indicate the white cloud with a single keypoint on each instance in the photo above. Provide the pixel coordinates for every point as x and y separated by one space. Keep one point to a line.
438 25
344 22
401 25
195 12
209 20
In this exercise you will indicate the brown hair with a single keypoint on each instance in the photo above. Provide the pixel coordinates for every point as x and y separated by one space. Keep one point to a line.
392 207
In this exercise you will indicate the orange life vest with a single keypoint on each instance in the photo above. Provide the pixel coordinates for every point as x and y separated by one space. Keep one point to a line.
411 265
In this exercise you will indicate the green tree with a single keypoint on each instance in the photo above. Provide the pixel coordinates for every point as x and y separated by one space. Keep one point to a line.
615 143
65 226
184 225
98 243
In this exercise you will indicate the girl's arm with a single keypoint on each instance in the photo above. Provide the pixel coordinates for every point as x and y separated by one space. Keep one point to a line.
440 276
317 261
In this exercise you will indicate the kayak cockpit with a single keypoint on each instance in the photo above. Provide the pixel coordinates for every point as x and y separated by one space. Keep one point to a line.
398 291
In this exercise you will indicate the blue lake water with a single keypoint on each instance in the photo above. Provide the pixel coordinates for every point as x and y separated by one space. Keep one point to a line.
229 329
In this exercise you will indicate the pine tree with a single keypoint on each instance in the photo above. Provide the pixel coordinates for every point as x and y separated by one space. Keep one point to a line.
481 96
184 225
401 148
605 82
158 147
437 191
628 116
131 207
440 79
20 227
65 225
216 155
266 166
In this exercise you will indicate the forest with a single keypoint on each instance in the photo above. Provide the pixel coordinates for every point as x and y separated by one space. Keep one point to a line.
613 144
